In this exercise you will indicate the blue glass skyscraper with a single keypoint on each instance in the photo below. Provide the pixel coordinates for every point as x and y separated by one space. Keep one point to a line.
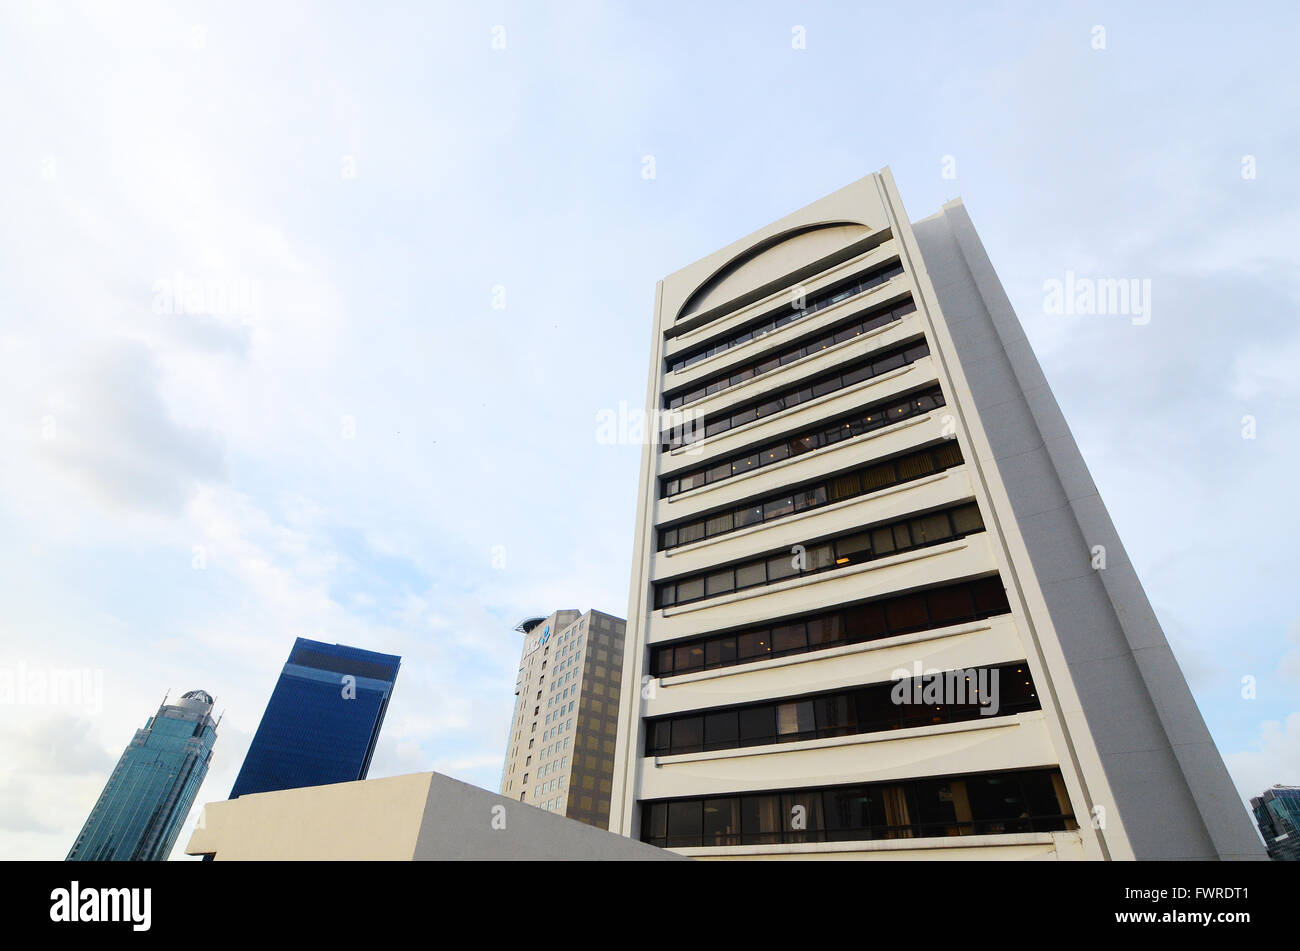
146 799
323 720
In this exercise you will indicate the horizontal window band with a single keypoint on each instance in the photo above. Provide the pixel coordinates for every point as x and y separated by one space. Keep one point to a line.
990 803
950 696
816 342
877 416
689 430
838 488
873 620
877 541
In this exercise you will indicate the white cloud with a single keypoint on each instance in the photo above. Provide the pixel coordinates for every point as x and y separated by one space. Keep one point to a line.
1274 758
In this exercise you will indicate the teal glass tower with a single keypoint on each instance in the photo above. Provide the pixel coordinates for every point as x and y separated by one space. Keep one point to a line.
145 801
323 720
1277 813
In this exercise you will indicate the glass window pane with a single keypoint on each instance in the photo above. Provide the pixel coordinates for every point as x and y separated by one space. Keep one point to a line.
810 498
802 444
835 715
720 582
778 507
878 477
853 550
795 719
721 730
967 519
875 710
990 596
857 374
819 557
780 567
691 590
902 537
660 735
760 820
747 464
690 532
751 515
826 630
718 524
913 467
684 823
717 426
845 486
802 813
688 735
931 529
789 637
688 657
775 453
948 454
906 614
850 811
865 622
754 573
882 541
720 652
885 364
757 725
721 822
828 385
950 605
753 645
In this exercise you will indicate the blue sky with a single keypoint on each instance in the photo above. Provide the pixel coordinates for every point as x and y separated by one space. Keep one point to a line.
336 434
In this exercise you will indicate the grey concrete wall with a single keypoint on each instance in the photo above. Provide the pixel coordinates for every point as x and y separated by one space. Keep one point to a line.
459 824
1170 785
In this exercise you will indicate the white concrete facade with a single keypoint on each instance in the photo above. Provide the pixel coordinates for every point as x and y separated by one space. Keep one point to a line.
417 817
1131 759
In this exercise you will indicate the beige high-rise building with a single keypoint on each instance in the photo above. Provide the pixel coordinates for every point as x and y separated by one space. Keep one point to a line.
878 609
560 755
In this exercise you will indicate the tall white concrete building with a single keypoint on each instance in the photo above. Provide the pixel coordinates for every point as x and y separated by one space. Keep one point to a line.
878 480
560 753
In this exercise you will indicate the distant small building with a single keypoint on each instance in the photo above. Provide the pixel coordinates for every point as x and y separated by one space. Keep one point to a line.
422 816
323 720
560 752
146 799
1277 813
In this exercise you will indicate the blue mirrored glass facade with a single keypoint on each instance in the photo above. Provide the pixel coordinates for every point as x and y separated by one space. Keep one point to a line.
145 801
323 719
